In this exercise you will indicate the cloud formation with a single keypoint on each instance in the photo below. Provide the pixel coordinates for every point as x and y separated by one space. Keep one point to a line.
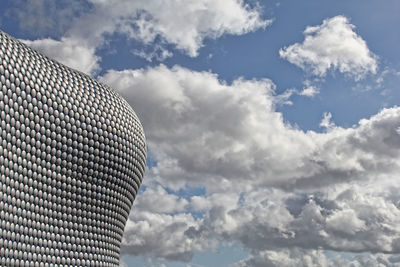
316 258
333 45
68 51
201 129
151 22
309 89
269 186
185 26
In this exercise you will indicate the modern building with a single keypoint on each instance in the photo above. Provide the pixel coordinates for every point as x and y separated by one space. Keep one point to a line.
72 157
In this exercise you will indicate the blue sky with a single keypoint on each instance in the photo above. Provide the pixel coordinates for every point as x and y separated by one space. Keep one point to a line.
272 126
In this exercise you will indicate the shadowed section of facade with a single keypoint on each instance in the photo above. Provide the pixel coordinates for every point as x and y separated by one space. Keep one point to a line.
72 158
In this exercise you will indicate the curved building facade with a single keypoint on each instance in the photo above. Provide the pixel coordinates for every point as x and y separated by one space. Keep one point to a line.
72 157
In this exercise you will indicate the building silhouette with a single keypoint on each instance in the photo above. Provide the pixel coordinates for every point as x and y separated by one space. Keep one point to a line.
72 157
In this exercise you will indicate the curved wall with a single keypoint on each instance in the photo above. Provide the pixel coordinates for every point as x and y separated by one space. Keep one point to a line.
72 157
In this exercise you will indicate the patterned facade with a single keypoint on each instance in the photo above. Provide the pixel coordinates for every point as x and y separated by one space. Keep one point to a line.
72 157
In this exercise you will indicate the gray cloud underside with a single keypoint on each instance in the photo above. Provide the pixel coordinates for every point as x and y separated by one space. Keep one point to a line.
202 129
271 187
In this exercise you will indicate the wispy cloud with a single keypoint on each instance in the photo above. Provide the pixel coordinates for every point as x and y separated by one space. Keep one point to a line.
44 18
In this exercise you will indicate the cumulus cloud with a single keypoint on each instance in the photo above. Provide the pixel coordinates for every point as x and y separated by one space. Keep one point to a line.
269 186
295 257
68 51
164 203
332 45
201 129
278 227
204 131
317 258
184 26
160 235
341 218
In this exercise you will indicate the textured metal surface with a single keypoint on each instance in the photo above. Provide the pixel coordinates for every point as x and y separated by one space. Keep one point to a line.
72 157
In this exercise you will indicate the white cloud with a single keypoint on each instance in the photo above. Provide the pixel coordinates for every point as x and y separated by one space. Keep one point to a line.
295 257
332 45
274 224
268 185
164 203
68 51
346 217
203 131
185 26
309 90
159 235
317 258
149 21
233 129
284 98
326 121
